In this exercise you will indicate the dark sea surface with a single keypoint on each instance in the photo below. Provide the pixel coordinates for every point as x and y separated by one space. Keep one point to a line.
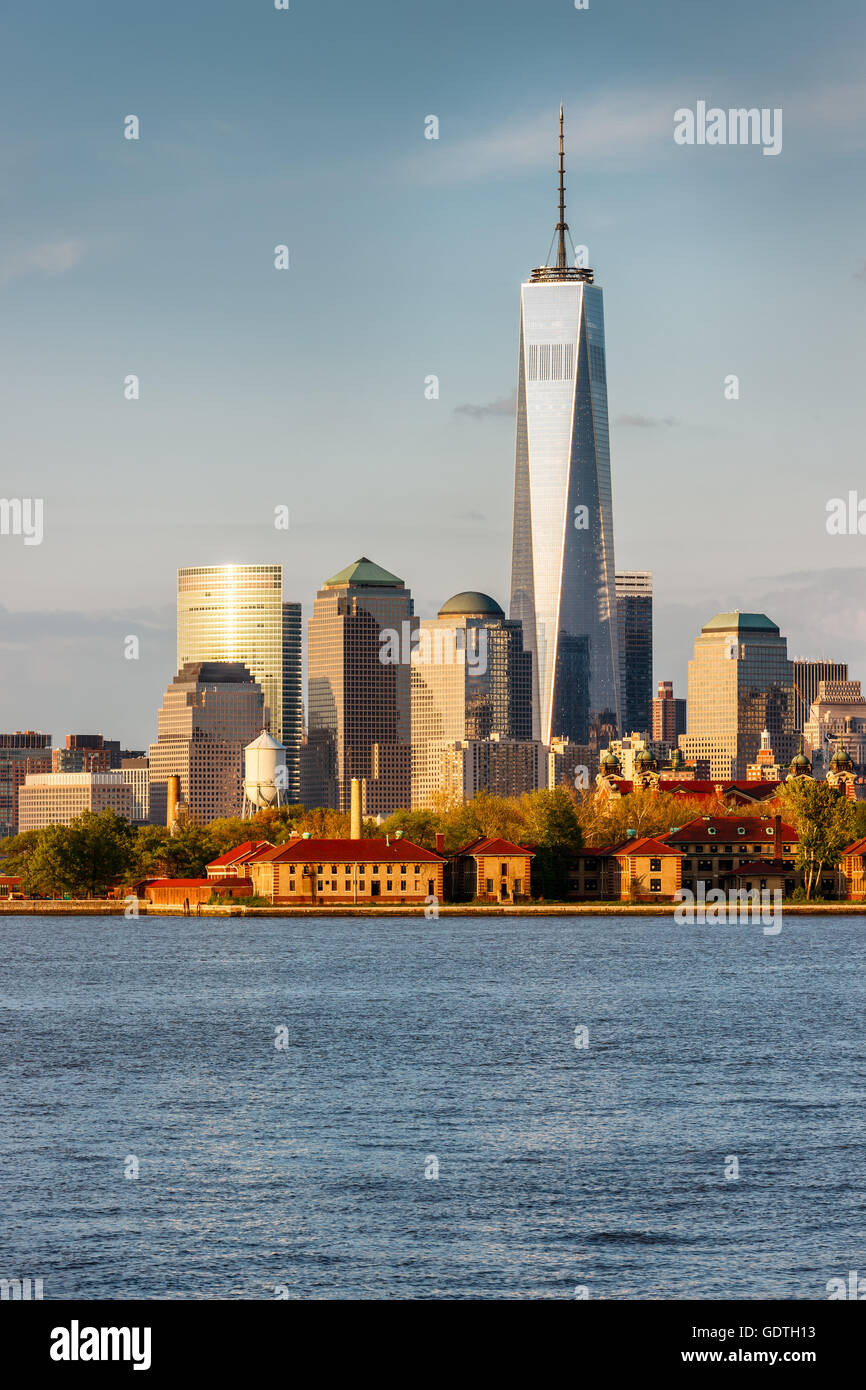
302 1168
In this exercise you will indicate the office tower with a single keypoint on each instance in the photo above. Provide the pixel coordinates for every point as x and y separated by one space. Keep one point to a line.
358 694
562 567
236 613
135 772
740 684
210 712
500 766
20 753
634 611
56 798
807 676
837 720
470 679
668 716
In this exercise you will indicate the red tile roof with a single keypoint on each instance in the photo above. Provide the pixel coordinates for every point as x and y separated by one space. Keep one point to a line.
858 847
487 845
349 851
646 845
726 827
239 853
762 866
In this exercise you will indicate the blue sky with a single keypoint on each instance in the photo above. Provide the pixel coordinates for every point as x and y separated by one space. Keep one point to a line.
259 387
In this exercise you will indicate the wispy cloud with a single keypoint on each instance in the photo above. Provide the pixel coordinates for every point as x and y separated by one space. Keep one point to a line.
49 258
614 127
647 422
506 405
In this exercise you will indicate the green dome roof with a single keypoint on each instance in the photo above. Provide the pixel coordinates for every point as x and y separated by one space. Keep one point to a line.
841 759
471 604
800 763
610 760
645 759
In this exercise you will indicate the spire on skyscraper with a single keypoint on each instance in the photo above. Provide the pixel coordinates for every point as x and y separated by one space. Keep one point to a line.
561 270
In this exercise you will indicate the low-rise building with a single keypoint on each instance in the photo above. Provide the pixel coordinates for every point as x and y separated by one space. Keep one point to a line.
323 873
489 870
187 892
643 870
56 798
233 863
715 848
852 872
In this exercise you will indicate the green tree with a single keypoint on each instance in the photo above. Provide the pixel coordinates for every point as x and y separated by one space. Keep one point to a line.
48 870
826 824
100 850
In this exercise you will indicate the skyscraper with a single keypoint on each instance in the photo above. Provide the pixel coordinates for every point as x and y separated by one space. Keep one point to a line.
807 677
740 684
562 568
471 679
634 608
359 715
210 712
20 754
237 613
668 716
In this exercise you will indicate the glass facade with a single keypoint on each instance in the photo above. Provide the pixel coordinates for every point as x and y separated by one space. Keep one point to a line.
740 683
562 574
470 679
237 613
634 606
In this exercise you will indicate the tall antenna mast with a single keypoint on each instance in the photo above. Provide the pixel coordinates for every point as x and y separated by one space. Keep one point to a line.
562 225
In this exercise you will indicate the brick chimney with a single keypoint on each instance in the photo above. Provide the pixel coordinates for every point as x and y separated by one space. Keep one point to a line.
777 837
440 842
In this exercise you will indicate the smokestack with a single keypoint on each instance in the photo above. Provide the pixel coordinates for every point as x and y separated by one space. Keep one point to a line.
440 842
777 838
173 790
355 811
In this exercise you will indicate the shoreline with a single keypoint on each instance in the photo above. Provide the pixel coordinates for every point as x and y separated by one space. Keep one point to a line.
110 908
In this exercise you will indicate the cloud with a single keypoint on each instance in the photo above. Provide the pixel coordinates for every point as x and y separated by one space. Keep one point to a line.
617 126
506 405
646 422
51 258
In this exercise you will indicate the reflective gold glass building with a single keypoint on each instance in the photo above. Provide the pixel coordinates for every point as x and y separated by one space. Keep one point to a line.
237 613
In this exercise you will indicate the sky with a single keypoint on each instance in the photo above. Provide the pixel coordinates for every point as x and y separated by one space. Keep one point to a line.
305 387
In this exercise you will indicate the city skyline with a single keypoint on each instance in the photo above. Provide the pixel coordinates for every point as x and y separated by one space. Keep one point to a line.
703 246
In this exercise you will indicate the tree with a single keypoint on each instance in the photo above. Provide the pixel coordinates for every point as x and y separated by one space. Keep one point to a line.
48 869
100 849
826 824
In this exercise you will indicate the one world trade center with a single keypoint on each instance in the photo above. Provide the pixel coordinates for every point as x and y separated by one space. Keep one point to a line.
563 585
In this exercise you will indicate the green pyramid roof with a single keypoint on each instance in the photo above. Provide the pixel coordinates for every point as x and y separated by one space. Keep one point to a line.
753 622
363 571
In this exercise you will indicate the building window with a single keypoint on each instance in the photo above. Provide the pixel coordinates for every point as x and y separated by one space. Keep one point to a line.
489 885
655 866
319 885
518 885
402 885
417 868
655 885
503 870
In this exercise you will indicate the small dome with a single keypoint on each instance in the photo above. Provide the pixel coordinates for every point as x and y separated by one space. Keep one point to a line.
645 762
678 762
841 761
471 604
801 764
610 762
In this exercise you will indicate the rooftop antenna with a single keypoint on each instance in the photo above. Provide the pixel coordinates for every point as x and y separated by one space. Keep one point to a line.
562 225
560 270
